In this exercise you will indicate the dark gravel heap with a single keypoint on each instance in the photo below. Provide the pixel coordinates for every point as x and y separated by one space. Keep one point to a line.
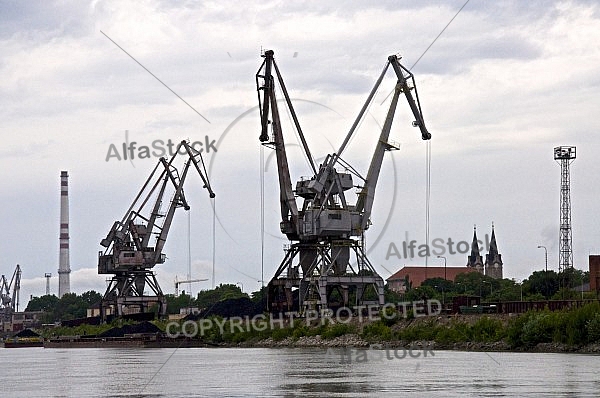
241 307
26 333
143 327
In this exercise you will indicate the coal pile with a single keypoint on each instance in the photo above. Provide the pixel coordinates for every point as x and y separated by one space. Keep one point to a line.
138 328
93 320
26 333
240 307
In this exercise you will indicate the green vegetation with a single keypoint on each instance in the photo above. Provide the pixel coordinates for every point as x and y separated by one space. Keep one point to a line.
84 330
207 298
485 330
69 306
574 327
73 306
540 285
571 327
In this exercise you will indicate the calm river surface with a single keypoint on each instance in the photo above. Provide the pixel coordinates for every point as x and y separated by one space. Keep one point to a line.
257 372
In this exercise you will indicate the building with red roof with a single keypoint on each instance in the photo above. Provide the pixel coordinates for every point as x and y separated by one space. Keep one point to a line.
417 274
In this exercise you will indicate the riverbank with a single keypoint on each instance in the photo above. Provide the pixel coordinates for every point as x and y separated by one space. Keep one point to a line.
344 341
574 330
356 341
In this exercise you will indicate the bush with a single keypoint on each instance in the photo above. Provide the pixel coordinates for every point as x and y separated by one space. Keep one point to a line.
339 329
487 329
300 331
377 330
593 329
389 316
454 333
425 331
280 334
514 334
577 323
538 329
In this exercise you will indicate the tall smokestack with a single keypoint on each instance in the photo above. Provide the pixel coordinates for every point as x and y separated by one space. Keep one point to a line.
64 284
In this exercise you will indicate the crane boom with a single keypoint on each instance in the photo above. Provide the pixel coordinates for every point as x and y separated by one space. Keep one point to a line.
289 209
15 282
366 196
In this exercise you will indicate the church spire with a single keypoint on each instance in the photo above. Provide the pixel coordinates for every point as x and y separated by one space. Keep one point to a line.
493 260
475 260
475 244
493 244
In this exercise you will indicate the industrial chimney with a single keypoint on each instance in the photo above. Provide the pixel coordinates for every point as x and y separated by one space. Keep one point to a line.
64 284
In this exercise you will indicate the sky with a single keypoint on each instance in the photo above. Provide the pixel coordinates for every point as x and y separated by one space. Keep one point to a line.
500 87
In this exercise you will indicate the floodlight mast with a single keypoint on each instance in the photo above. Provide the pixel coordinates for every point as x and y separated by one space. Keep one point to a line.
323 231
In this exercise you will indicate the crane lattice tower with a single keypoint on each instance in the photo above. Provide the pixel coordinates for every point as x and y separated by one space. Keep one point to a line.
565 155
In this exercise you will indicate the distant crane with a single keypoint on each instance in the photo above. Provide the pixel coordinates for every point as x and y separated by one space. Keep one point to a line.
9 294
177 283
129 255
325 229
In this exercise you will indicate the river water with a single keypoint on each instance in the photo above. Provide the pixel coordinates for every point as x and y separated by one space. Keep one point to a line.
291 372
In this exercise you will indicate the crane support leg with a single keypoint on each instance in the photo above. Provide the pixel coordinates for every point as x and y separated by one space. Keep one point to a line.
327 283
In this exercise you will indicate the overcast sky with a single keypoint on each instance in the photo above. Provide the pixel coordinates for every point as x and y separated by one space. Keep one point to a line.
503 85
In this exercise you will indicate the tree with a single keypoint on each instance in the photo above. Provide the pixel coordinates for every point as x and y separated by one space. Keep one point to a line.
542 282
259 296
507 290
391 296
470 282
206 298
440 284
91 297
45 303
422 293
175 303
69 306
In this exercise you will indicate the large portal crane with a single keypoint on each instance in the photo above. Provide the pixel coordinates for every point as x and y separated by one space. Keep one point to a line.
326 229
9 294
130 255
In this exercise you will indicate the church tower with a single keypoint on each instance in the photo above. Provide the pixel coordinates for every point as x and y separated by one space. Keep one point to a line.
493 260
475 260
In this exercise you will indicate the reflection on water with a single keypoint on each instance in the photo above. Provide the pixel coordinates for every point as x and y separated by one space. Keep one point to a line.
233 372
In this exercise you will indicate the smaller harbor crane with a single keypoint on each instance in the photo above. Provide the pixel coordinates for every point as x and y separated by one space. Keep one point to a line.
130 255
